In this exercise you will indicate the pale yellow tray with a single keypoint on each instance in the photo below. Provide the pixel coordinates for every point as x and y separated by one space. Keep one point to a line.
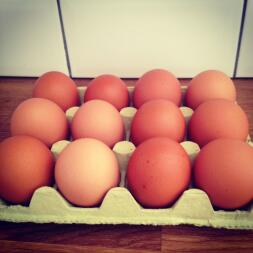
119 206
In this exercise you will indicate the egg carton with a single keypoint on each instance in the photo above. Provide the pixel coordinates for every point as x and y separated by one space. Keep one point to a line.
119 206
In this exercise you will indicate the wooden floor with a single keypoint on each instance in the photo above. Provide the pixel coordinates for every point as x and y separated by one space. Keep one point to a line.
28 237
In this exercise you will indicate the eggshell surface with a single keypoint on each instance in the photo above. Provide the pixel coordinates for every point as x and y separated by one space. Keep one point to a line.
218 118
157 84
224 170
40 118
85 170
57 87
158 172
25 165
207 85
157 118
109 88
100 120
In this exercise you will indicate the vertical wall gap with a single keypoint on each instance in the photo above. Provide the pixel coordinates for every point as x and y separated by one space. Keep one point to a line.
64 37
244 8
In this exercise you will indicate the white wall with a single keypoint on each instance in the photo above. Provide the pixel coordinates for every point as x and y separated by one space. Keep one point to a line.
131 37
245 64
123 37
30 38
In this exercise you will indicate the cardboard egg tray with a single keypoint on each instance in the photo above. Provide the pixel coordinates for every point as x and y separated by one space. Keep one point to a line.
119 206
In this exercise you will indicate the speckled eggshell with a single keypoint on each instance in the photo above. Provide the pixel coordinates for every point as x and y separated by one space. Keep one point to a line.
158 172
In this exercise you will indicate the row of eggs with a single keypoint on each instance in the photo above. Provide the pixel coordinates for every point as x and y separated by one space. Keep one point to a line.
157 83
156 95
159 169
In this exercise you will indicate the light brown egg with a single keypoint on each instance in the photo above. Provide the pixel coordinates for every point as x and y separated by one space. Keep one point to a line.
158 172
224 170
40 118
57 87
100 120
218 118
207 85
157 118
25 165
85 171
109 88
157 84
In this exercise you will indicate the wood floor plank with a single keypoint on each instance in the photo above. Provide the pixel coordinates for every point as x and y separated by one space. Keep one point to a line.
189 239
121 236
25 247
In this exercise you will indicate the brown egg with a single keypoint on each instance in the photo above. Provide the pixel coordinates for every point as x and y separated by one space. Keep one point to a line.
158 172
40 118
224 170
100 120
109 88
218 118
157 118
157 84
57 87
210 84
85 171
26 164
